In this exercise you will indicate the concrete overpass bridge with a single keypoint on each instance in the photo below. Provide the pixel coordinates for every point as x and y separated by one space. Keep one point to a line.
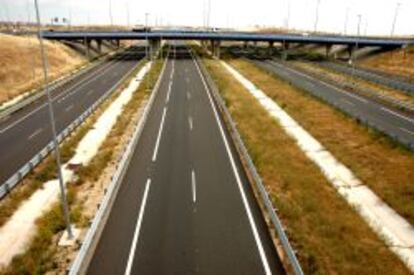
215 38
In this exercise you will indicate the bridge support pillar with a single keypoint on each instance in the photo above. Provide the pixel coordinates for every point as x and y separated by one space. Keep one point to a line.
270 50
328 49
87 45
215 48
99 45
255 48
154 46
285 50
351 51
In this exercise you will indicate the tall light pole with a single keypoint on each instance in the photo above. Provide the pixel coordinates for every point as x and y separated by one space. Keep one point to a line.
356 46
397 8
208 13
316 15
127 13
346 21
288 15
30 43
110 13
64 201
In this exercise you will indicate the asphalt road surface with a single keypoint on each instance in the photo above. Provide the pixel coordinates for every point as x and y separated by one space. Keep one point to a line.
26 132
395 124
185 205
370 76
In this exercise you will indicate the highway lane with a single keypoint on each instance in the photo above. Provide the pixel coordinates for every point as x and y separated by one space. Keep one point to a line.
393 83
185 205
26 132
389 121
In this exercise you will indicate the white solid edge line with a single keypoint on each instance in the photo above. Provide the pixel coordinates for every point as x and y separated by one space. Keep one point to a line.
157 144
193 186
237 176
397 114
137 229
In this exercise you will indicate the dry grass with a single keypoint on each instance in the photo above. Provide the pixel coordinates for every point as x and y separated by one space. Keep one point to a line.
399 62
329 236
360 83
21 67
381 164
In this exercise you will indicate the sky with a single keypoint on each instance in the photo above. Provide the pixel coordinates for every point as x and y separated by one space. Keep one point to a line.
376 15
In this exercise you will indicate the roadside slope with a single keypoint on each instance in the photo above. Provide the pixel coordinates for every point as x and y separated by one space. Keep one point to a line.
399 62
21 66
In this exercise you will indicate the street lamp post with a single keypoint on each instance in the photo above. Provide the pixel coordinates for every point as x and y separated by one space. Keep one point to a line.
346 21
53 126
317 15
356 46
397 8
110 13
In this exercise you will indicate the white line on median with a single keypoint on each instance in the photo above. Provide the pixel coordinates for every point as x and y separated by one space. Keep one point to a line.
157 144
35 133
347 102
193 186
137 229
188 95
237 176
407 131
190 122
397 114
67 109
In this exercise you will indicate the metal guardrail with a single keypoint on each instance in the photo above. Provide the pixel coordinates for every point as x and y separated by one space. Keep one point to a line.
91 239
377 78
249 165
12 181
365 92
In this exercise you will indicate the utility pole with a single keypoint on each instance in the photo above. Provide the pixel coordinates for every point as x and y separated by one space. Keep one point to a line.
63 198
346 21
356 47
397 8
316 15
110 13
31 54
127 13
208 13
288 15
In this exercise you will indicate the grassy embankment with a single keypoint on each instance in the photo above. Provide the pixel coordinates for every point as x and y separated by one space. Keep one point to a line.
21 64
398 62
40 255
386 167
330 237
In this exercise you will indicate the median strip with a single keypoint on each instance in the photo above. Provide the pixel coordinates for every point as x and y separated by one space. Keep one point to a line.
328 235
